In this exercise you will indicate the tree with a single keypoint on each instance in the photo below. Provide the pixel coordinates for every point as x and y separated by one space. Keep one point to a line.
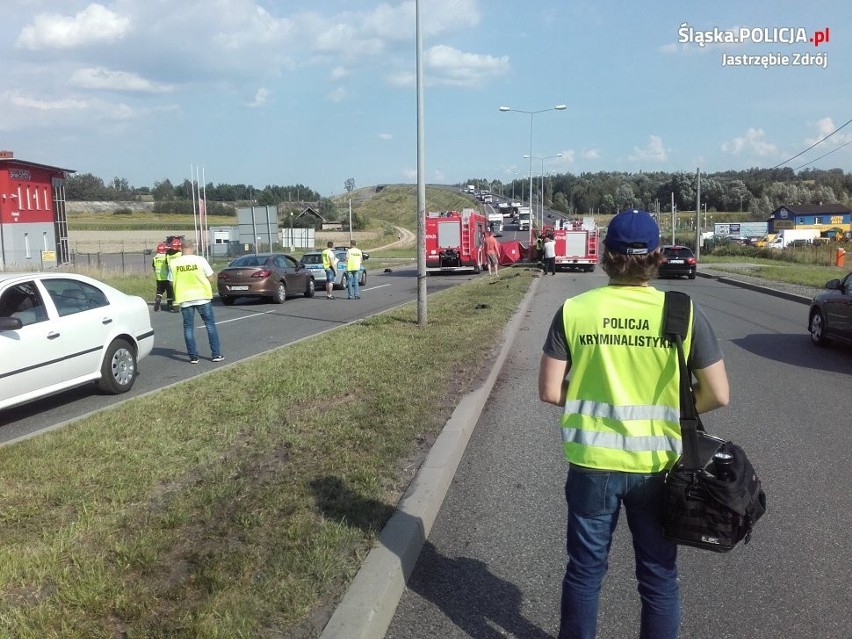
163 191
349 185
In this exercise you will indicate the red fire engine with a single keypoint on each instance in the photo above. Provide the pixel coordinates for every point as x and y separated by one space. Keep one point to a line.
576 245
454 241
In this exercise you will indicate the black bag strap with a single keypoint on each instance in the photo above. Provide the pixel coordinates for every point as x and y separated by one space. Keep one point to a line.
675 326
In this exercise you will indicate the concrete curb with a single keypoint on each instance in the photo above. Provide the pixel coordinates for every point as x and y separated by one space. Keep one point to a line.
725 279
370 602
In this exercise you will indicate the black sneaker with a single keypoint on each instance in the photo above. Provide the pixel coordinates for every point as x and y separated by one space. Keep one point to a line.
193 360
218 358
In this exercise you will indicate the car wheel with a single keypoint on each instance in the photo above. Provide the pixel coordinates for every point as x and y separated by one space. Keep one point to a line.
816 326
227 300
311 289
118 371
280 293
692 276
363 281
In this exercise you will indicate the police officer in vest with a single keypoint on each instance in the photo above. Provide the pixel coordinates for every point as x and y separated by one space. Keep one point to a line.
161 273
620 423
192 276
173 251
354 257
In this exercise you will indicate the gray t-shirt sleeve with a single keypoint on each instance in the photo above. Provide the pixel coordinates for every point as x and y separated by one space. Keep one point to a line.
705 346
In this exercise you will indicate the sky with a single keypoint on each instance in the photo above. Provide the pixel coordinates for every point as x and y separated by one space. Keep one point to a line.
313 92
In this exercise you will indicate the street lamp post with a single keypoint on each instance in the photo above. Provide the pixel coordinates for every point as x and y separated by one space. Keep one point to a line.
558 107
541 201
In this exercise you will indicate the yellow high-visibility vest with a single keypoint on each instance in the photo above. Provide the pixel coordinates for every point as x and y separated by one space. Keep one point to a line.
329 259
161 266
190 282
622 408
353 259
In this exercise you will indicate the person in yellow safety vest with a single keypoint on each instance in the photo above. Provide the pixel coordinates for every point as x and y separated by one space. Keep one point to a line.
173 252
353 271
329 263
621 423
160 265
191 276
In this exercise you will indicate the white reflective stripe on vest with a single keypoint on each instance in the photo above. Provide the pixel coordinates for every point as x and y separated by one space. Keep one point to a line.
636 444
601 410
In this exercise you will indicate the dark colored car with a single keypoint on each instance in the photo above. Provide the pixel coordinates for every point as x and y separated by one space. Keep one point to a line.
830 316
274 275
678 261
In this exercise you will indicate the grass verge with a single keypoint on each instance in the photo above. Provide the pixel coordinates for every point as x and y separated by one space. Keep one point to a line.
776 271
239 503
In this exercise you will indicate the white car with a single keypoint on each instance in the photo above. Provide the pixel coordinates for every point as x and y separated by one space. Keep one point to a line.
60 330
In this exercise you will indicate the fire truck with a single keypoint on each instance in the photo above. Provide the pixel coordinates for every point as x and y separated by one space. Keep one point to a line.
576 244
455 241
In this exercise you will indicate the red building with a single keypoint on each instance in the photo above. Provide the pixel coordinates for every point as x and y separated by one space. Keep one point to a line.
33 223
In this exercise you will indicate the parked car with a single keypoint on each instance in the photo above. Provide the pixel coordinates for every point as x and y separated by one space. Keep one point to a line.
678 261
830 316
61 330
273 275
312 260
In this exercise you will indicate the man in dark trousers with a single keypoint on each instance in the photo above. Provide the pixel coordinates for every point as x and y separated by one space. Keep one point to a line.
621 423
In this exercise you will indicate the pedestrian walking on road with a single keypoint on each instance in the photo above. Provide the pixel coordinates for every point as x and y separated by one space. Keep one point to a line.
492 252
620 423
549 252
354 257
192 277
160 264
329 263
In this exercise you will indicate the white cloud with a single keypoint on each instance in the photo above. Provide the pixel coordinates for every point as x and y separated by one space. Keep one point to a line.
653 152
385 136
94 24
261 97
823 128
338 95
590 154
338 73
450 66
753 142
103 78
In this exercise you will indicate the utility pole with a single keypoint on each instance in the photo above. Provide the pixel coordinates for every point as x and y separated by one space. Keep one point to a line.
698 214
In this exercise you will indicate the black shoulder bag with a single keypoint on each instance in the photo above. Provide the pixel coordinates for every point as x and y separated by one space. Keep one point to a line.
712 495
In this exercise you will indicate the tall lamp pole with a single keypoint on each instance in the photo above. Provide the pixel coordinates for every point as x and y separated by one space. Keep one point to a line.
541 201
558 107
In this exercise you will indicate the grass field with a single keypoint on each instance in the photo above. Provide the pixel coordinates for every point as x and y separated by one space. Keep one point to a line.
208 514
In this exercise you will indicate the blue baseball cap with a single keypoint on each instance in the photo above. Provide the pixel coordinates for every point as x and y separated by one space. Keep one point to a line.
632 232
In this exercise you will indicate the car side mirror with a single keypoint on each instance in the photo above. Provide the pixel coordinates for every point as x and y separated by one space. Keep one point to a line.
833 284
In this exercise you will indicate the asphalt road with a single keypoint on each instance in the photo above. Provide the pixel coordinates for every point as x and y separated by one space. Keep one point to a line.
247 328
494 560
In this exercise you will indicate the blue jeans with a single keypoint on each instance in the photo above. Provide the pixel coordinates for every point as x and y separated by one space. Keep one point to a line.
594 501
206 313
353 283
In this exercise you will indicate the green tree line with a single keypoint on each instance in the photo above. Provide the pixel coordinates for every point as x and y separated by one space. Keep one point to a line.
758 191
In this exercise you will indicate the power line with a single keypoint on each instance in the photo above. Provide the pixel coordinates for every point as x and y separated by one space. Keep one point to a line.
810 147
823 155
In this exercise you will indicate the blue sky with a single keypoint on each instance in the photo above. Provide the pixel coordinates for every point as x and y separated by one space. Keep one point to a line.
314 92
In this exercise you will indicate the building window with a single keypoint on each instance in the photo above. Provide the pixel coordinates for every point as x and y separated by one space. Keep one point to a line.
27 253
29 200
20 201
44 241
46 199
817 220
35 192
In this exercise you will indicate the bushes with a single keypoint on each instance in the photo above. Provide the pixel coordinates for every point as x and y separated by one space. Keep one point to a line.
822 254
